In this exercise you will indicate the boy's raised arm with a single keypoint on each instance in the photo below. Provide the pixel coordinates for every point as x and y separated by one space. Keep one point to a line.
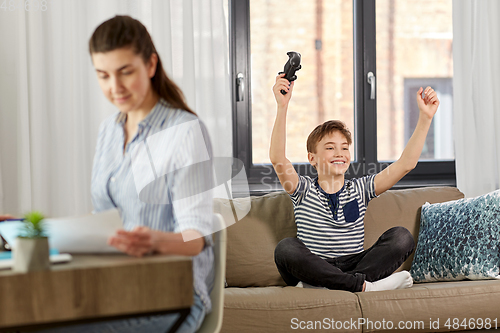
283 167
388 177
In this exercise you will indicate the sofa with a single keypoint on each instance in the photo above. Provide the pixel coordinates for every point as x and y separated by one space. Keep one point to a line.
258 300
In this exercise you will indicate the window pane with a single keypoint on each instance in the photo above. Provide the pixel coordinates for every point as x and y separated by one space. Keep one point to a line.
321 31
414 49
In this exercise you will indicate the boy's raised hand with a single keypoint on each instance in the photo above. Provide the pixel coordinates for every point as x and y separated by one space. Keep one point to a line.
388 177
282 84
282 165
429 104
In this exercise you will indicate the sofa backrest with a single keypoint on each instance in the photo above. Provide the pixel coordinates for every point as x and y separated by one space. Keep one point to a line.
402 208
252 240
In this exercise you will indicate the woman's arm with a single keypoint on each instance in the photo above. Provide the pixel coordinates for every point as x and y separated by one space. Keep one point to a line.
6 217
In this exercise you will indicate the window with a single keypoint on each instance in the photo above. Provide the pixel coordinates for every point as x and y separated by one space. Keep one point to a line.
324 89
439 143
411 44
341 42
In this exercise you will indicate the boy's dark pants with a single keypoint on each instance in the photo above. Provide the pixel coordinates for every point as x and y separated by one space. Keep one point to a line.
296 263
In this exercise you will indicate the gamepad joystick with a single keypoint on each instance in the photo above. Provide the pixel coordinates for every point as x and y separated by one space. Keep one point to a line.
291 66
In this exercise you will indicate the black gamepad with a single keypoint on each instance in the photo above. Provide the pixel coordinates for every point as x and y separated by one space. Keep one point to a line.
291 66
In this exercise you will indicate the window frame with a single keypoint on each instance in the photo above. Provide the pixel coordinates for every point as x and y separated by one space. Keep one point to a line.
261 177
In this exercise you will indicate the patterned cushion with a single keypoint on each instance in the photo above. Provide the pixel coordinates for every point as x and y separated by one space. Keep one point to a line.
459 240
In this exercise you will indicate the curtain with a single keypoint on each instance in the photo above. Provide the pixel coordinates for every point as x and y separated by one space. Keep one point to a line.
1 192
51 104
476 56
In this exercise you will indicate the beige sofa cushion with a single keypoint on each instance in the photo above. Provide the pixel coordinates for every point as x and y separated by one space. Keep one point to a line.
428 302
402 208
251 241
273 309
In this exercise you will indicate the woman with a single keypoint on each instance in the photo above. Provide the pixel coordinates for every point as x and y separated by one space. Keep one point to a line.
155 121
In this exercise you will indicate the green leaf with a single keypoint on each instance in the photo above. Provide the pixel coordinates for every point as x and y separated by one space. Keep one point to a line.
33 225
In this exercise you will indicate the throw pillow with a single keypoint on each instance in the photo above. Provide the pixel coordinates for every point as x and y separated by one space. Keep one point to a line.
459 240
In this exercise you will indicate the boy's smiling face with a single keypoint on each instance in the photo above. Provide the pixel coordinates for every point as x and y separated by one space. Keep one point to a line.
332 156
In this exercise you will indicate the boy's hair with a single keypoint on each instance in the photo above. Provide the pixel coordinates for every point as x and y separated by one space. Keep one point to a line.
324 129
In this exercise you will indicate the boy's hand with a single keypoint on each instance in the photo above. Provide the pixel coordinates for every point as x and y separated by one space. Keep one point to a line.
282 84
388 177
429 104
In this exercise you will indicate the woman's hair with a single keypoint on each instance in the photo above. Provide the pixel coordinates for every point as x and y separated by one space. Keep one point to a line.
126 32
324 129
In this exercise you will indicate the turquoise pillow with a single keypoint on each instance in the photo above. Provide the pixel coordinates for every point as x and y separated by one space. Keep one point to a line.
459 240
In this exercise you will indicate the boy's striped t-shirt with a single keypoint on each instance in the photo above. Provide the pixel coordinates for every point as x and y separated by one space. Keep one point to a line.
324 235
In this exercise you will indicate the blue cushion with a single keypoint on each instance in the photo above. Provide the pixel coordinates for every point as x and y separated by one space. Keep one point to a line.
459 240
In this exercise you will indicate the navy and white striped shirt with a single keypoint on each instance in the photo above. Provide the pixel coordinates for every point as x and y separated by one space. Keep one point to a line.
324 235
116 176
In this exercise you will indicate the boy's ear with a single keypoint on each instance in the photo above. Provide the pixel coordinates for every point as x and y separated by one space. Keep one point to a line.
312 159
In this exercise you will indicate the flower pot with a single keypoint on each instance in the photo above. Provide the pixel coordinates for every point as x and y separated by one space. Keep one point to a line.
31 254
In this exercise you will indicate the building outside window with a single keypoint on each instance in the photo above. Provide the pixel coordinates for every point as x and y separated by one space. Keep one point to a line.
405 44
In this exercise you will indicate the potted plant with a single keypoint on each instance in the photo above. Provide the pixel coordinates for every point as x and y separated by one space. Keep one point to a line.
31 252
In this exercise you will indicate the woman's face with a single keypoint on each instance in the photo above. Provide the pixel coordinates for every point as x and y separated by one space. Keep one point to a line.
125 79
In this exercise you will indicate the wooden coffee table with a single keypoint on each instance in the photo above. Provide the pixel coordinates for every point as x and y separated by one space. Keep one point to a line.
96 287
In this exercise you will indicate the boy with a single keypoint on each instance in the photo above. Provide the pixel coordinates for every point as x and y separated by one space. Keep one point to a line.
329 210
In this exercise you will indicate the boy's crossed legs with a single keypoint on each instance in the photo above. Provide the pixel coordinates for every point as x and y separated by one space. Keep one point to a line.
297 263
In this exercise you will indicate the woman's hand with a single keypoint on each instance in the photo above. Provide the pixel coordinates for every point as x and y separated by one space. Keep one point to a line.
429 104
282 84
142 241
138 242
6 217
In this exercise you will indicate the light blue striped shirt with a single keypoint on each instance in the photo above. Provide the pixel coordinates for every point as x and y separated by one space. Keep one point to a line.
174 198
324 235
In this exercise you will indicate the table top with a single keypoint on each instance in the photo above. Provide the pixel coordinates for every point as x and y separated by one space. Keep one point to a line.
96 287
